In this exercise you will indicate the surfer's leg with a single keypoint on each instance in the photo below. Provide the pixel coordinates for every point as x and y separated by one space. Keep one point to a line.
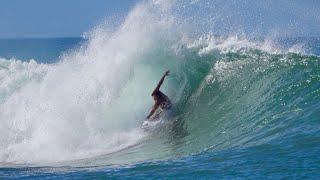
155 117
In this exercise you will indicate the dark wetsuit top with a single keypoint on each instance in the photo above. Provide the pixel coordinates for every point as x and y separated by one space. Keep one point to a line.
165 101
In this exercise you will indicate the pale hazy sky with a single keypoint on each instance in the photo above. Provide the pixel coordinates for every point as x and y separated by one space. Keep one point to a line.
70 18
55 18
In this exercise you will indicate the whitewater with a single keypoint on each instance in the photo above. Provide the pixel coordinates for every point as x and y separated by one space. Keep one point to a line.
241 103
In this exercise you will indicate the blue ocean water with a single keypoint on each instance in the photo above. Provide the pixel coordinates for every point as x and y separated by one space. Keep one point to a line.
292 154
46 50
72 108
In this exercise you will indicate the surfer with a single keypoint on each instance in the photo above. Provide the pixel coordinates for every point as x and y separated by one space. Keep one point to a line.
161 100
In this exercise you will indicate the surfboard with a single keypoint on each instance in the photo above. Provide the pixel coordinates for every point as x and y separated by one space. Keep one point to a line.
149 125
155 119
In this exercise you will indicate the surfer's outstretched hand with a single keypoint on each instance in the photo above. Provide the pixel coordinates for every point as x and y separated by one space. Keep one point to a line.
167 73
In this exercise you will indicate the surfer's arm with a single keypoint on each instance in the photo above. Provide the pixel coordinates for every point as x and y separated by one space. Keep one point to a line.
161 81
154 108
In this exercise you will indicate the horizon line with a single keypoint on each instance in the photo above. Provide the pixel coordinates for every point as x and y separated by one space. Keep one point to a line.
81 37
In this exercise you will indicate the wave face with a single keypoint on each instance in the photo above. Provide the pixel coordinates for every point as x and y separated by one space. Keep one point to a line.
229 92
